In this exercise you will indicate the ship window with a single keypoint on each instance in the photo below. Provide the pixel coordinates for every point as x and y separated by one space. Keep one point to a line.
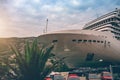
55 41
84 40
106 20
89 40
118 14
111 31
74 40
103 21
112 19
79 40
94 40
98 41
101 41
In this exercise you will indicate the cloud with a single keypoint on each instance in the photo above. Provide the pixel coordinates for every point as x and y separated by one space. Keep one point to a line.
28 17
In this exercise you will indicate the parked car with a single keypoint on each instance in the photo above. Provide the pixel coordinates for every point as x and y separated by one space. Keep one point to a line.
48 78
106 76
58 77
93 77
73 77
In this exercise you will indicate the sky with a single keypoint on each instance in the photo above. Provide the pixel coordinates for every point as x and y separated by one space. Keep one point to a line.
27 18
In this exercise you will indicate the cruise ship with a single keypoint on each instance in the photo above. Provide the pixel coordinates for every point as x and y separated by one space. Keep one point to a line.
97 42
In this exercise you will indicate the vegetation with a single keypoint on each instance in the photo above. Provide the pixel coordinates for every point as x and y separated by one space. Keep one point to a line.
32 63
60 66
3 70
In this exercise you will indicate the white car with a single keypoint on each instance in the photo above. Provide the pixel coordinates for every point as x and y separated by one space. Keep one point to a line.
93 77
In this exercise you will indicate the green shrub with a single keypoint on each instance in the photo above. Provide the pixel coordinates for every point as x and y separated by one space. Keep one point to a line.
32 63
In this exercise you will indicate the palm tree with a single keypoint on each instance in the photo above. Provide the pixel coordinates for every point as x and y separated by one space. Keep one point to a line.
33 63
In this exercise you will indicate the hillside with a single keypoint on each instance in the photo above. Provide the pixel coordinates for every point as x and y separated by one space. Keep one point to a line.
5 43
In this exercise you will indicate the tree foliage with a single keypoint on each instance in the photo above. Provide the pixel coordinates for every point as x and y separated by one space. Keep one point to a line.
32 63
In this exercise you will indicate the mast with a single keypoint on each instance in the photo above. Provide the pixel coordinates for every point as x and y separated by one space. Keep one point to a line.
46 26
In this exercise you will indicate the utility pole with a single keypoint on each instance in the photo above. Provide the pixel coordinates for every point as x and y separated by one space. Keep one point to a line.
111 71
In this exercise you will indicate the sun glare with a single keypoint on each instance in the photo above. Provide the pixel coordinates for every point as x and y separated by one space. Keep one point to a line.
2 28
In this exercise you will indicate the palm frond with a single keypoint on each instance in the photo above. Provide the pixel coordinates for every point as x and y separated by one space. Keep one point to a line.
32 62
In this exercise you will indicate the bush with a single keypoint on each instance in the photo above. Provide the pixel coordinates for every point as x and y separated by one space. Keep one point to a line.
32 63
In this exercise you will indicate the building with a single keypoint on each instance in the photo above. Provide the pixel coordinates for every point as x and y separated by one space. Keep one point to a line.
109 22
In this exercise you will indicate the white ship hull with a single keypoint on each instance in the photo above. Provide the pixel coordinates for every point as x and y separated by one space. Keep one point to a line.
82 46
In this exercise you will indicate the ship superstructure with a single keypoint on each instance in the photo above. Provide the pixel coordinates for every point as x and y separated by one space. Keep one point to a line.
109 22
